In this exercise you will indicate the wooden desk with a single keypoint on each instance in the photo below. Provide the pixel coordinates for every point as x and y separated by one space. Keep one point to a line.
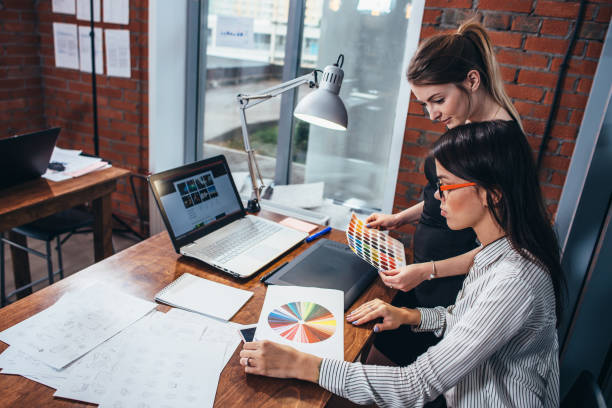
40 198
144 269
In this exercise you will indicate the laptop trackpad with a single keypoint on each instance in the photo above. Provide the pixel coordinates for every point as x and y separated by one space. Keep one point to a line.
262 252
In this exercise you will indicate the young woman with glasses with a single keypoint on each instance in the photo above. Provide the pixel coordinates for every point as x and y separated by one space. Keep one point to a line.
499 340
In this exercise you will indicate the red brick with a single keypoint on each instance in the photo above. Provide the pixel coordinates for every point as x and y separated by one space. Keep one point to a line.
555 27
575 101
422 123
415 151
584 85
508 74
551 192
576 118
410 177
548 45
534 127
557 9
567 149
497 21
594 49
556 162
545 79
525 23
532 110
518 6
604 14
522 58
431 16
524 92
565 132
506 39
557 178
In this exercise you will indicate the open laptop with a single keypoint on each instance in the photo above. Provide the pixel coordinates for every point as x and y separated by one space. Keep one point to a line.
25 157
206 220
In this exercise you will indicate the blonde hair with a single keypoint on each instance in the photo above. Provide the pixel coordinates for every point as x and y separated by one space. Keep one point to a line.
447 58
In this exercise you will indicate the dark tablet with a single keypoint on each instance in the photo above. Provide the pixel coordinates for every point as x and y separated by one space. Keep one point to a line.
327 264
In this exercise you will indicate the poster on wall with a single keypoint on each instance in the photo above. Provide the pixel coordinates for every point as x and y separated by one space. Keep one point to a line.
65 43
117 53
235 32
84 10
63 6
117 11
85 49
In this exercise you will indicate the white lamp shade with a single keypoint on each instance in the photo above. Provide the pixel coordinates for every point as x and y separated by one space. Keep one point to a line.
323 108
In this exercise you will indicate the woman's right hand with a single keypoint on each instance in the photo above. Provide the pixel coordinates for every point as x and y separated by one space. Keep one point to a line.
383 221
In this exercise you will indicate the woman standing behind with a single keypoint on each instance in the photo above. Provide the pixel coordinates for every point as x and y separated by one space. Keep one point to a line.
456 78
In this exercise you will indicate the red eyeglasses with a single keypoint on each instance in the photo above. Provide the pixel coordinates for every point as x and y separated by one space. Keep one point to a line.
447 187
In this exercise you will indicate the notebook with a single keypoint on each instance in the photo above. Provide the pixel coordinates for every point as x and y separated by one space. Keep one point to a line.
206 220
199 295
25 157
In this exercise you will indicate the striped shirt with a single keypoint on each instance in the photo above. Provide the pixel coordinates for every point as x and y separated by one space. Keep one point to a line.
499 347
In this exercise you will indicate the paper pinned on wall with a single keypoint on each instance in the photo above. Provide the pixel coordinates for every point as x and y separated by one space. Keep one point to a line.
83 10
117 11
117 53
63 6
85 49
65 44
235 32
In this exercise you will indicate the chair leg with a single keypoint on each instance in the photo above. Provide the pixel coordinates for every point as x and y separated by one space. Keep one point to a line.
49 262
59 257
2 283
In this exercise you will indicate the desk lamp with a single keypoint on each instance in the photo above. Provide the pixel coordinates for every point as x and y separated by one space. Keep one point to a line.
322 107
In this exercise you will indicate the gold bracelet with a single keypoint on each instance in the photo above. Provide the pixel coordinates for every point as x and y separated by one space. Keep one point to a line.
433 270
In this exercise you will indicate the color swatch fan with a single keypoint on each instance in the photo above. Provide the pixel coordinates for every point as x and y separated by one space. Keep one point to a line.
302 322
378 249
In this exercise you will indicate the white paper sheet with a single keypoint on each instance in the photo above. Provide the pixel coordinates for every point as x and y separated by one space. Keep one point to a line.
201 295
118 53
88 379
299 195
85 49
308 319
73 326
74 164
63 6
65 45
235 32
215 331
166 372
84 10
117 11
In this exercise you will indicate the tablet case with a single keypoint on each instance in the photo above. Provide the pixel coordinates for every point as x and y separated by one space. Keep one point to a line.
327 264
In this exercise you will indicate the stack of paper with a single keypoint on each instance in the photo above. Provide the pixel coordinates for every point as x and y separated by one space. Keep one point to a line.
172 359
65 164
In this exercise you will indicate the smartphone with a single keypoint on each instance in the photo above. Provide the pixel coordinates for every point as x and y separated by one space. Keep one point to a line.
248 333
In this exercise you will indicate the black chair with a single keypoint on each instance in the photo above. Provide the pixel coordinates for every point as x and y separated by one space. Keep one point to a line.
46 229
585 393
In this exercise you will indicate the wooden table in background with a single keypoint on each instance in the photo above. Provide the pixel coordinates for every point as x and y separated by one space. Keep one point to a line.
40 198
144 269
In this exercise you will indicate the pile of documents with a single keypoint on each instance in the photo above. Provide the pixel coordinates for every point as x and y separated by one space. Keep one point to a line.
112 349
65 164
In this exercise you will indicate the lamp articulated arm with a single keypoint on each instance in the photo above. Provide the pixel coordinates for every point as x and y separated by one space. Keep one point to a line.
245 102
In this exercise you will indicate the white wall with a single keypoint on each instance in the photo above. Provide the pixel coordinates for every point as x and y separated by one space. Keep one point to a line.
167 56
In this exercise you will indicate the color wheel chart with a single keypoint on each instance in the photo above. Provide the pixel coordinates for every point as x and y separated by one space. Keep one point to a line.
303 322
378 249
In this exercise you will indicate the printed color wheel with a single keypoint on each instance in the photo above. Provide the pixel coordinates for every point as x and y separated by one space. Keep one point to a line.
303 322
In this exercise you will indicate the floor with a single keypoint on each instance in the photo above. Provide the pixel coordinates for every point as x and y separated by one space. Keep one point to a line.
77 254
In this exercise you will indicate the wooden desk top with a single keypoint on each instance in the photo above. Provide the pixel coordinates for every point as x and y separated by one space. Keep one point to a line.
144 269
38 198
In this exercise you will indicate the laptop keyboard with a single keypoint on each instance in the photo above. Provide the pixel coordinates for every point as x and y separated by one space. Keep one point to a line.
232 245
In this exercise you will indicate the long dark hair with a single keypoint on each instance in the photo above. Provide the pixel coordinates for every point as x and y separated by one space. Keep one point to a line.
496 156
447 58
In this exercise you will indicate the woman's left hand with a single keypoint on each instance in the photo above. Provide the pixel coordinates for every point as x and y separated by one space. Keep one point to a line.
280 361
393 317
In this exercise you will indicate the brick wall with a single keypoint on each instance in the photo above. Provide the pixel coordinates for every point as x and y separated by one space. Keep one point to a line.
36 94
530 39
20 73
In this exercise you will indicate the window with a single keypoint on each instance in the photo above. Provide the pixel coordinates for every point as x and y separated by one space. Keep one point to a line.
357 165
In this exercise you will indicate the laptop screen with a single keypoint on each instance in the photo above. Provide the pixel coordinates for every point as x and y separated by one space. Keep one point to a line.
197 198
